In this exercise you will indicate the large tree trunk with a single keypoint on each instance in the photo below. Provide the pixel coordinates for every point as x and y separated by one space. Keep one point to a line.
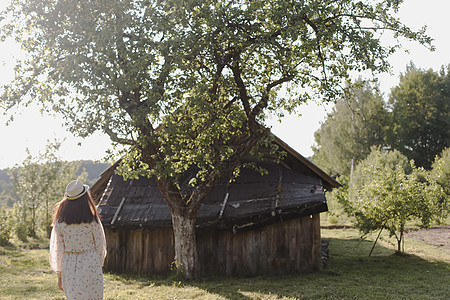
184 208
183 225
186 258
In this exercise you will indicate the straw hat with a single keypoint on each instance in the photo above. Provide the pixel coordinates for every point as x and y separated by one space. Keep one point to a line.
75 190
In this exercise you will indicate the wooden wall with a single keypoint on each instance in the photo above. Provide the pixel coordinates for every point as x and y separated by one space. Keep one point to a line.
139 251
288 247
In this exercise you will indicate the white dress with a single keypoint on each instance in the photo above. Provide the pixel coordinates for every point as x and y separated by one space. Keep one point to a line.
78 252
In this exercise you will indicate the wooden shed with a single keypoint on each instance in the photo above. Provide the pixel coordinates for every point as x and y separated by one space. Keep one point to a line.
258 224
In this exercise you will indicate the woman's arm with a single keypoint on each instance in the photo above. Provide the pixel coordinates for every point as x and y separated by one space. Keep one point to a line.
59 281
56 252
99 240
56 248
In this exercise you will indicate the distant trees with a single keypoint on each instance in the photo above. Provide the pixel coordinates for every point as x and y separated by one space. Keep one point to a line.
420 114
355 124
386 189
34 186
7 196
415 121
39 183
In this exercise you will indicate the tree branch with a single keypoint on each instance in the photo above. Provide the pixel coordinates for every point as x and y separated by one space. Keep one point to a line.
243 95
115 138
265 98
319 50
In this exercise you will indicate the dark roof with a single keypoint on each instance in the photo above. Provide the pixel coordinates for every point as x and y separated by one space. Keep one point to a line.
99 186
293 188
306 166
251 200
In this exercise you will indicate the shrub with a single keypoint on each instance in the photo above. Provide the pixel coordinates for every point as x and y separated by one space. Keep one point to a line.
5 226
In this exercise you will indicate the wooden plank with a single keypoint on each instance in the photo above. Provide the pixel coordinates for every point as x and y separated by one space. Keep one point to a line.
250 252
145 261
151 251
221 253
280 238
237 254
214 251
306 229
271 264
298 236
116 214
202 250
139 251
127 250
168 248
228 253
317 244
306 254
111 244
292 242
161 241
263 250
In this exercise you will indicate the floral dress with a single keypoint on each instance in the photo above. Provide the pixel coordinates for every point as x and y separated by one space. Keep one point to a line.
78 252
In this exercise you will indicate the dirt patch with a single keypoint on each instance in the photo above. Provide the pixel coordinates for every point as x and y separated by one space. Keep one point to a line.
437 236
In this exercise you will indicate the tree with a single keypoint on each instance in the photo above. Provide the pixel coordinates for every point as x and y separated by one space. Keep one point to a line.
39 182
6 226
187 84
420 115
356 123
441 170
386 193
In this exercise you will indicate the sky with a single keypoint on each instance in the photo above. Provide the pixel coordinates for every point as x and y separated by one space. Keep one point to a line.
31 130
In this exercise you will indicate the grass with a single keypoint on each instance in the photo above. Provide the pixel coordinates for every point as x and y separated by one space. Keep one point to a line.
423 273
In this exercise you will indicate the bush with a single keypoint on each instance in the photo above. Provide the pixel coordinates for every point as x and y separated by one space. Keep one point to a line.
386 193
441 170
5 226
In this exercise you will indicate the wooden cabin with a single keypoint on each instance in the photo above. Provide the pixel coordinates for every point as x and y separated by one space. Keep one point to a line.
258 224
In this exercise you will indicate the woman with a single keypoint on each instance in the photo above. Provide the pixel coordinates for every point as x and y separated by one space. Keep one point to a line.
77 244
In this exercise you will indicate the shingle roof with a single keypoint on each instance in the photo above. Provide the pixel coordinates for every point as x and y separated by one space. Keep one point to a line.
251 200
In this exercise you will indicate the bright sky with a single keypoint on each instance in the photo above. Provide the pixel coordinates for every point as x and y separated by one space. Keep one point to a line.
32 130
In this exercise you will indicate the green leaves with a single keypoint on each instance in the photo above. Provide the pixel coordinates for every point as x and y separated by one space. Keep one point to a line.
440 171
39 182
386 193
204 71
421 114
356 123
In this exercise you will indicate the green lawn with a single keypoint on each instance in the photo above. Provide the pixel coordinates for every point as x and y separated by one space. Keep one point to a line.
424 273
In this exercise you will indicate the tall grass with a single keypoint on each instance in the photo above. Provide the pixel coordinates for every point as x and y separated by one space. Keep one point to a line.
424 273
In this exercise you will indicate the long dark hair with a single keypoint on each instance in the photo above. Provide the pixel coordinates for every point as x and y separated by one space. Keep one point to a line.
81 210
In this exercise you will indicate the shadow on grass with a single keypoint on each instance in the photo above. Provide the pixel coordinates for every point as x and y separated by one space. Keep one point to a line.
351 273
11 251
